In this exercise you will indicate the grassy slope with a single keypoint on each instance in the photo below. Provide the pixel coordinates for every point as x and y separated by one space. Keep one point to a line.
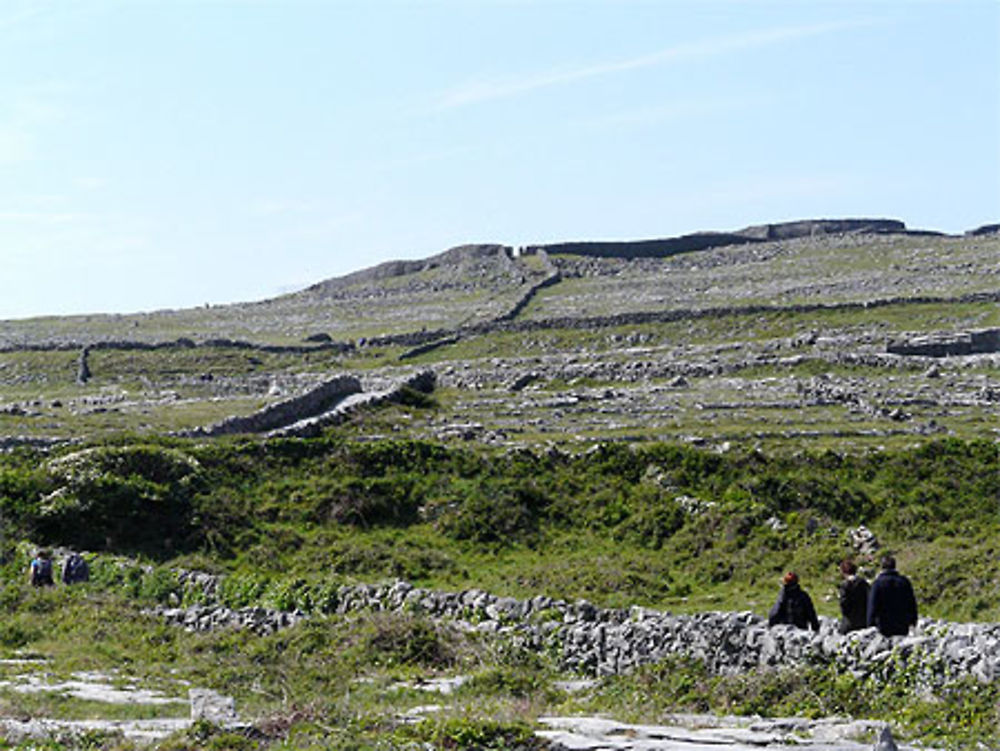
284 516
288 518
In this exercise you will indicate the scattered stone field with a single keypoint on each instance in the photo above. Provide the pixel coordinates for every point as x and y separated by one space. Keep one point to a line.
842 334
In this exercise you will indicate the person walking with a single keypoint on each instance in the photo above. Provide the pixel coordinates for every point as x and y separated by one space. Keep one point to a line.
75 569
40 570
854 592
794 606
892 606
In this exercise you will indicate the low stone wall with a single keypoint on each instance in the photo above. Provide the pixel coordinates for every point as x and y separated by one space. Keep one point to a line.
663 247
551 280
283 413
423 381
128 345
599 641
984 341
423 349
11 442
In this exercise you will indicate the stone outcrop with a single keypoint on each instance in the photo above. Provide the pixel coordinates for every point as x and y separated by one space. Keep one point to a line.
986 229
984 341
390 269
700 732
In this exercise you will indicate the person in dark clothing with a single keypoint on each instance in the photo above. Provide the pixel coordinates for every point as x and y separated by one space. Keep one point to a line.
854 591
75 569
794 606
40 570
892 606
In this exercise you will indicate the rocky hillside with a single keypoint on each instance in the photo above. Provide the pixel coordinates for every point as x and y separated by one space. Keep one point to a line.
852 331
593 461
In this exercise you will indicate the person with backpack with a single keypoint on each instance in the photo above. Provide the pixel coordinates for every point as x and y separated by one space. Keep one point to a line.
794 606
892 606
853 598
40 570
75 569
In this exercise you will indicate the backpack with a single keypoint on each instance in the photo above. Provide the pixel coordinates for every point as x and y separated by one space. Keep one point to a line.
76 569
41 572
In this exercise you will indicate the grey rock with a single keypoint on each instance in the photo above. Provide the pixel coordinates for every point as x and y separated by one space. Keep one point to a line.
885 740
213 707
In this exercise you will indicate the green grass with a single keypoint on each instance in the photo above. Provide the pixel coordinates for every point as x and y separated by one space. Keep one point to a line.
381 497
346 681
291 520
791 273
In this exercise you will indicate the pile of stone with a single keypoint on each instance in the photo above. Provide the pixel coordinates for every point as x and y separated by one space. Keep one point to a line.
262 621
600 641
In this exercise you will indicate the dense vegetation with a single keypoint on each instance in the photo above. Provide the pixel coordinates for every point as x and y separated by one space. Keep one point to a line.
650 524
657 524
672 457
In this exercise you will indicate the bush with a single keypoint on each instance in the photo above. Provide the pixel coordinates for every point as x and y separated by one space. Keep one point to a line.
134 498
496 512
395 639
653 518
474 733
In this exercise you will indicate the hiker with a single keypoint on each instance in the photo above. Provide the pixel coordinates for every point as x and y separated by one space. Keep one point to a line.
892 607
75 569
40 571
794 606
853 598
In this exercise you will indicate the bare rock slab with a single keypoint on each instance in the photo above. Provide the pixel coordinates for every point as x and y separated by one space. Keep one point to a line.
697 733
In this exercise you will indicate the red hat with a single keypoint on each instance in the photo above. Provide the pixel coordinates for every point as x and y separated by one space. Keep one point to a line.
791 578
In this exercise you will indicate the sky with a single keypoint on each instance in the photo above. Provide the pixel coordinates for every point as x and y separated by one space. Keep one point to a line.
165 154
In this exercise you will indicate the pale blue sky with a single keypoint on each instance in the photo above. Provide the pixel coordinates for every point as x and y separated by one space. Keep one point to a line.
166 154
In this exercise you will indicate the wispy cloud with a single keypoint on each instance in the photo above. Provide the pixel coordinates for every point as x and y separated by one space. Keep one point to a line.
488 90
680 110
44 217
20 16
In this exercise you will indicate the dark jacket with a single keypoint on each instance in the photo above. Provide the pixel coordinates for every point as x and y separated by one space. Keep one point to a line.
795 607
892 606
41 572
853 604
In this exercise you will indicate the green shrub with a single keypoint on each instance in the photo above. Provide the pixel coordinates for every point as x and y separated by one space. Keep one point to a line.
495 512
653 518
474 733
519 683
135 498
399 639
15 634
206 736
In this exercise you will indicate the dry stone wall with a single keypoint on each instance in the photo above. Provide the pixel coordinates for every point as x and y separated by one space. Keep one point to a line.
285 412
309 426
661 248
983 341
598 641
